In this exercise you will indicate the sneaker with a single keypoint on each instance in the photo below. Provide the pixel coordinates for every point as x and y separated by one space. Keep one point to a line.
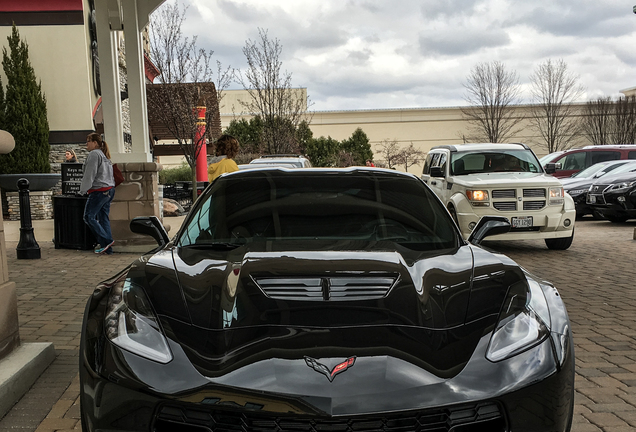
96 246
105 248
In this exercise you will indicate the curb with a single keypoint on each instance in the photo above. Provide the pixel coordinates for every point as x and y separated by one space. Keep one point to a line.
20 369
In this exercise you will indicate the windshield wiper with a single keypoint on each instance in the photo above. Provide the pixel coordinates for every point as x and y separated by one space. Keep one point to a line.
214 246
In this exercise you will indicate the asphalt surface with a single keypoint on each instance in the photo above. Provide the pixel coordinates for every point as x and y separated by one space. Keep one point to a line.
596 278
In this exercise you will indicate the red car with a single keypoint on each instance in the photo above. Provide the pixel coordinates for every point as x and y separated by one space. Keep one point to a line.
575 160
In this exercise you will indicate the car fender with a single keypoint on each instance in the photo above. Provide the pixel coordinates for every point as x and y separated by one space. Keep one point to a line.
568 203
461 204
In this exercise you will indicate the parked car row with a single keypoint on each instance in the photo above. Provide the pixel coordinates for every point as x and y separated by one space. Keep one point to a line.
579 184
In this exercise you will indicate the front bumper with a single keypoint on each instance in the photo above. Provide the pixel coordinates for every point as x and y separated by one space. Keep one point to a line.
544 226
614 204
532 391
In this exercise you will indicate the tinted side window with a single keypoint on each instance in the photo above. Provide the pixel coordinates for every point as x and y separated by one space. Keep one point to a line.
442 162
573 161
427 164
601 156
631 155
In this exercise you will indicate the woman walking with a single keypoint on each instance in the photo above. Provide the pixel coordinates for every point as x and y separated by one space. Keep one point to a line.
99 183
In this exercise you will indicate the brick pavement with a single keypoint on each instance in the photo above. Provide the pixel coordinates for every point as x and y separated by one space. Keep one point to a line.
595 277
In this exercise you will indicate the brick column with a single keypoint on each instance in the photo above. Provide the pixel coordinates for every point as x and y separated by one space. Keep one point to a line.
138 195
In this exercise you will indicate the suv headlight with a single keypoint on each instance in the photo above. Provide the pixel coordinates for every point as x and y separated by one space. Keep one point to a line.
556 195
131 324
622 185
523 322
478 198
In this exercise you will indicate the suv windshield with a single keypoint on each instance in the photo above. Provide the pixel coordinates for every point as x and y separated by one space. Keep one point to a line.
477 162
273 205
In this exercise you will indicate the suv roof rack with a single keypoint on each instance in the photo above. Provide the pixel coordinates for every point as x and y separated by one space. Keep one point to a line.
282 155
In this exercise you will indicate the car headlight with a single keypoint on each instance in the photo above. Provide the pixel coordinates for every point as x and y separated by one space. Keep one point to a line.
478 198
523 322
622 185
574 192
131 324
556 195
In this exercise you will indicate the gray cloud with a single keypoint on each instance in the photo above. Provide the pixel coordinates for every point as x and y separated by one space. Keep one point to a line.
364 54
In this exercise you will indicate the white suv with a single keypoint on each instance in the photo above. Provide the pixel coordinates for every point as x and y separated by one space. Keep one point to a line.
475 180
285 161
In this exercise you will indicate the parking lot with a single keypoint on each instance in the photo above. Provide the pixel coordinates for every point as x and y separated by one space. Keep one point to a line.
595 277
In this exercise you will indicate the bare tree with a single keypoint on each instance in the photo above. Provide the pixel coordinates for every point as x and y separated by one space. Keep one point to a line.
272 97
389 152
410 156
491 92
623 126
596 121
185 82
554 89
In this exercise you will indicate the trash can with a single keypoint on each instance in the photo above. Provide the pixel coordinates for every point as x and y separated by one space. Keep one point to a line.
68 223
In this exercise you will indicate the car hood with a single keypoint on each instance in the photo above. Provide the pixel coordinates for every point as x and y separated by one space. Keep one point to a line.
229 311
508 180
616 178
578 184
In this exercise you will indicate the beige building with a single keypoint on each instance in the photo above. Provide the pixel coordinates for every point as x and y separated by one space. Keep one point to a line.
424 127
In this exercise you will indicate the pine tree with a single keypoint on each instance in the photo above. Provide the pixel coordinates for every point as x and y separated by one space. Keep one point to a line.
23 112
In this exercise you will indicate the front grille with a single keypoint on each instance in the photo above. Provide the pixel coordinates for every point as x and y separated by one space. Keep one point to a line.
533 205
504 193
600 199
505 205
333 288
534 193
486 415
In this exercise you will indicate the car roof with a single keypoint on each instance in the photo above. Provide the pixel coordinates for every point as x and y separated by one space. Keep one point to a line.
483 147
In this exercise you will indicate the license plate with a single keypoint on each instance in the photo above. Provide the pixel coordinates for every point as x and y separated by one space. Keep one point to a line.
522 222
591 199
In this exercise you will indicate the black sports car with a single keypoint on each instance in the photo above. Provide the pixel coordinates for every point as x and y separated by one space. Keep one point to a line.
614 197
324 300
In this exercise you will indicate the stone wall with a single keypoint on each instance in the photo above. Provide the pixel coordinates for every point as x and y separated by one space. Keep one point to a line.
9 327
41 205
137 196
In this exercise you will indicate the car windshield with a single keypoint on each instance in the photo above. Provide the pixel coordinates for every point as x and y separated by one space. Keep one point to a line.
309 205
623 168
602 168
547 158
589 172
478 162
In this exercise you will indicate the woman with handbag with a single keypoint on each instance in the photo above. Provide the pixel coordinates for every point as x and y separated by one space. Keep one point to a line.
98 182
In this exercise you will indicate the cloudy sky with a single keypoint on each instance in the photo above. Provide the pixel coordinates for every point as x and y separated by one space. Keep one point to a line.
370 54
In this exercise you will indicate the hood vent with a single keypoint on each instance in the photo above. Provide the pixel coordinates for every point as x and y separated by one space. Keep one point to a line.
335 288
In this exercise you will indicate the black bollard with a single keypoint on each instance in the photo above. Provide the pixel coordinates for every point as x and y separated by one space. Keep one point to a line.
27 248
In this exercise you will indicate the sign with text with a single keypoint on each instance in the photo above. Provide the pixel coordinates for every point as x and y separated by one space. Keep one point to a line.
72 172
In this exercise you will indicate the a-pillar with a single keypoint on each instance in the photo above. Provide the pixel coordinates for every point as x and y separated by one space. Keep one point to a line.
202 158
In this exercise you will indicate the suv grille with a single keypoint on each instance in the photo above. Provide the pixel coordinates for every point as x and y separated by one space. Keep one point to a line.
534 193
504 193
326 288
505 206
533 205
486 415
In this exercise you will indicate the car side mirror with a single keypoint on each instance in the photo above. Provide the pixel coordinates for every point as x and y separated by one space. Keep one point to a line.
437 172
551 168
489 226
150 225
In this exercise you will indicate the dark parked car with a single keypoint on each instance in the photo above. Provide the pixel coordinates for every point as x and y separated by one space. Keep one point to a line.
614 197
579 184
324 300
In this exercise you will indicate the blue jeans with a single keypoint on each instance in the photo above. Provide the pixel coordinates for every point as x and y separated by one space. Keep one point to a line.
96 215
